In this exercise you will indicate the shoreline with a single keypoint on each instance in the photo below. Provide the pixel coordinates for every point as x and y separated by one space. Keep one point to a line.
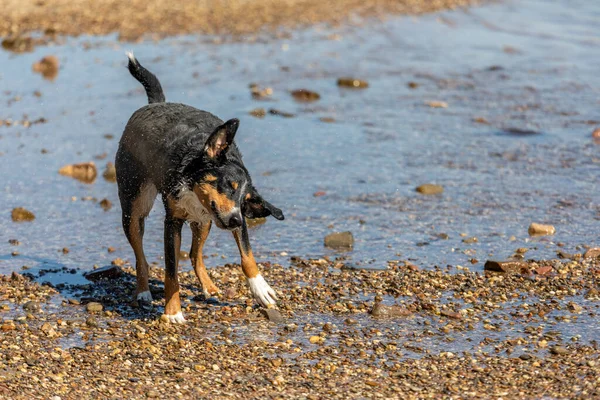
161 19
332 342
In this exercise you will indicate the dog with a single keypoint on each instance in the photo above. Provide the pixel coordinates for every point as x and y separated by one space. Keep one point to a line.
189 157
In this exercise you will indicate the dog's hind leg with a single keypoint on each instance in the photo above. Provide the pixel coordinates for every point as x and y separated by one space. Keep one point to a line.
199 235
262 292
135 210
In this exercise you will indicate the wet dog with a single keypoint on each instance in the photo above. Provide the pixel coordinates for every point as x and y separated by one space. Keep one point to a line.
189 157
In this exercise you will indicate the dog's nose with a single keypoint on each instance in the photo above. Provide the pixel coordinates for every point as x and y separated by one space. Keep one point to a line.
235 221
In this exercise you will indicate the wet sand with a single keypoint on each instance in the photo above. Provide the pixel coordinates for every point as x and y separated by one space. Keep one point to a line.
466 331
134 19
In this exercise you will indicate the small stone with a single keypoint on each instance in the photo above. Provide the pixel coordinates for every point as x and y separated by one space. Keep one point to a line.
451 314
107 272
94 307
430 189
105 204
31 306
320 193
14 242
152 394
519 132
596 135
518 267
339 240
525 357
350 321
48 330
305 95
276 362
280 113
328 120
84 172
110 172
592 293
21 214
545 270
559 350
536 229
272 315
291 328
352 83
258 112
184 255
74 302
315 339
381 310
592 253
470 240
47 66
92 322
230 293
437 104
413 85
328 327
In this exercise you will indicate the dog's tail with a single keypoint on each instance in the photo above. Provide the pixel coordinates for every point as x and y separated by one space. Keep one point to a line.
146 78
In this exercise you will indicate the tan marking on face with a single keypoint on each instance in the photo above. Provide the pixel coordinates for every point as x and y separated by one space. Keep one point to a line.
247 196
207 194
210 178
234 185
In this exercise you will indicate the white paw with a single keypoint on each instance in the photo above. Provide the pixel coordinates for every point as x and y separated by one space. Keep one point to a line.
145 296
262 292
174 319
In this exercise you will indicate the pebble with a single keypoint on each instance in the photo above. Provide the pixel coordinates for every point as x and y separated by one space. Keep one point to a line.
31 306
258 112
106 204
280 113
515 267
21 214
382 310
339 240
91 321
47 66
437 104
536 229
272 314
110 172
83 172
429 189
107 272
559 350
94 307
315 339
305 95
352 83
592 253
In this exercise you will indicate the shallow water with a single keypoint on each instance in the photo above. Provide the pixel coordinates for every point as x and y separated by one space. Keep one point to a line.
528 65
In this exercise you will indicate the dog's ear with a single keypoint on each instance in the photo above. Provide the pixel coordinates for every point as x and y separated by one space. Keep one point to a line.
255 206
220 140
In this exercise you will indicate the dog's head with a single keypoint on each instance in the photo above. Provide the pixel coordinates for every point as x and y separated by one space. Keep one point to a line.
223 185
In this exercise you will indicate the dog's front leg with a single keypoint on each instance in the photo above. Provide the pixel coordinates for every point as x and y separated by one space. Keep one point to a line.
172 247
262 292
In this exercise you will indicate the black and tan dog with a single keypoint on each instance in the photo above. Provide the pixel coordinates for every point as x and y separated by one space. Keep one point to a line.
188 156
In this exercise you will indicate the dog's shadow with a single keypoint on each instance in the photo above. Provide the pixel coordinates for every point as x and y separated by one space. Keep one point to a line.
116 292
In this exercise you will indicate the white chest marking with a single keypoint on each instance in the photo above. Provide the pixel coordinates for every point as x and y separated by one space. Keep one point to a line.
195 211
